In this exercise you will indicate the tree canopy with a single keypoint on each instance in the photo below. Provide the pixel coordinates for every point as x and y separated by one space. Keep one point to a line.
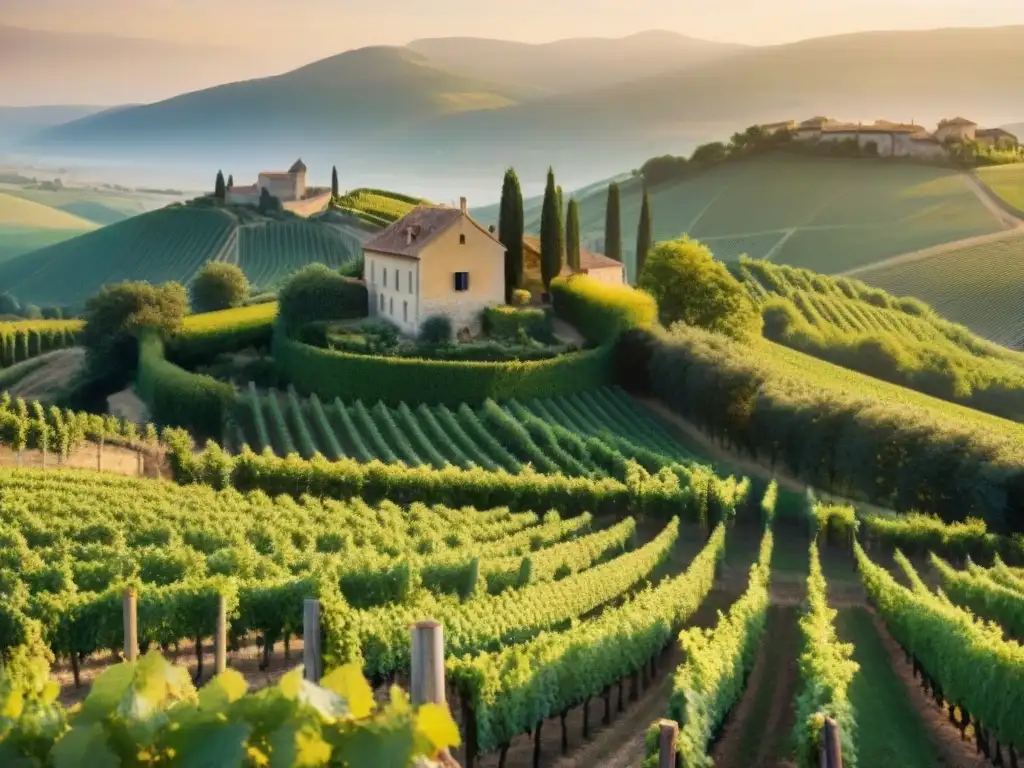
510 231
552 236
613 224
334 182
572 236
219 286
317 292
219 186
644 236
691 287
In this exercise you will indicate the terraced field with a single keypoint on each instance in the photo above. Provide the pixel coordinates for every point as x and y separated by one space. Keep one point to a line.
376 206
549 434
980 286
829 215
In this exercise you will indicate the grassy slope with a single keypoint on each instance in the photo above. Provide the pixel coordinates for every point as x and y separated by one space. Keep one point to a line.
825 214
978 286
16 212
889 730
1007 181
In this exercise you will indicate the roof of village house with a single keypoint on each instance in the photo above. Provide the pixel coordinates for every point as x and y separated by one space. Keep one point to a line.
876 128
779 124
994 132
278 175
815 122
298 167
427 222
956 121
588 259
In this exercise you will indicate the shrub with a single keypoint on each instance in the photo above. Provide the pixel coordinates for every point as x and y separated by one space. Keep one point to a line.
317 292
507 322
219 286
204 337
521 297
353 268
330 374
600 312
436 329
176 397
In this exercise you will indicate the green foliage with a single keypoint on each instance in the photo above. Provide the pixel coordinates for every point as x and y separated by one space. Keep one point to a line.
969 661
510 231
219 285
219 187
334 183
333 374
203 337
520 298
120 311
510 323
599 311
176 397
552 236
834 523
572 236
23 340
717 662
986 597
436 329
917 535
317 292
644 235
826 670
691 287
613 223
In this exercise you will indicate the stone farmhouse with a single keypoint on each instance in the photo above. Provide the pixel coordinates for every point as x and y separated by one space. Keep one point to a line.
894 139
436 260
287 186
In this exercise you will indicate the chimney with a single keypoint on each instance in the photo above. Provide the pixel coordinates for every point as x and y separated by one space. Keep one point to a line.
408 235
462 205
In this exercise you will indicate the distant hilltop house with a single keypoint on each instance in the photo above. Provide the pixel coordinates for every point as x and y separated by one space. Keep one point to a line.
287 186
596 265
435 260
894 139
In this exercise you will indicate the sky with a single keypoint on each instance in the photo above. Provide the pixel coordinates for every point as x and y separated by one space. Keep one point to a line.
304 30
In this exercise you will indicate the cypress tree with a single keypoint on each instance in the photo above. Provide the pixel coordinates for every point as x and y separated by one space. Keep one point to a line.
510 231
218 187
613 224
552 236
643 235
572 236
334 182
561 206
231 181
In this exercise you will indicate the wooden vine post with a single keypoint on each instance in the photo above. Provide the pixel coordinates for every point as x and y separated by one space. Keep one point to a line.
427 682
311 659
831 747
220 639
668 736
131 625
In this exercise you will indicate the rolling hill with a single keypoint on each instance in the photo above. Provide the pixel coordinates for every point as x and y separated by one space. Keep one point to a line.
576 64
829 215
18 123
26 225
1007 182
174 243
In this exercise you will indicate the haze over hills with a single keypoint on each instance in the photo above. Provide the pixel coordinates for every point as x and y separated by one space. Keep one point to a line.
18 123
575 64
44 67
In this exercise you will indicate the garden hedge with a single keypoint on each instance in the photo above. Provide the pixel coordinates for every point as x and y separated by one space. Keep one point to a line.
600 311
176 397
330 374
504 322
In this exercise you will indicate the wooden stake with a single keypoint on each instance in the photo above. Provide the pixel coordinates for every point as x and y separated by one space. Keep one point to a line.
831 749
667 739
311 640
427 680
131 625
220 639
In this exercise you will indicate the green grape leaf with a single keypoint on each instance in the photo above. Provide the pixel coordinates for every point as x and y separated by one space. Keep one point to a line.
217 744
84 747
435 724
108 690
225 689
298 745
380 744
348 682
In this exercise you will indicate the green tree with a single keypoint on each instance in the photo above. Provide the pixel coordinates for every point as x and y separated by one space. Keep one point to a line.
114 315
218 186
691 287
643 235
561 200
510 231
219 286
552 236
613 224
572 236
316 292
231 181
334 183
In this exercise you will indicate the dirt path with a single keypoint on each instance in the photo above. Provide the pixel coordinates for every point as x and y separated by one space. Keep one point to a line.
1012 225
954 752
50 376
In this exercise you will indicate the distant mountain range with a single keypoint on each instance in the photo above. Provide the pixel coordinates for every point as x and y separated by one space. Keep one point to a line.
591 108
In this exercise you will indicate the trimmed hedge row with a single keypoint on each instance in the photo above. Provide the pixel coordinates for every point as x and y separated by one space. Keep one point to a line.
176 397
601 311
504 322
207 335
330 374
27 339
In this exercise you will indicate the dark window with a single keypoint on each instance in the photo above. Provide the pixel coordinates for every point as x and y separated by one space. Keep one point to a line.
385 277
391 307
405 311
410 282
462 239
462 281
382 302
373 271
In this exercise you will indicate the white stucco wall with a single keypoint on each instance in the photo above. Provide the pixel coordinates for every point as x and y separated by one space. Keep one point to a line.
392 284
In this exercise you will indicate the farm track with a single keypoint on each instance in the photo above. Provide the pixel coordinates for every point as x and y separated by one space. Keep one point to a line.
1013 226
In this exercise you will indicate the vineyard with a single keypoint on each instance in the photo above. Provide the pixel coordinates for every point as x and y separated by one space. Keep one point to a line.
271 251
977 286
578 435
376 206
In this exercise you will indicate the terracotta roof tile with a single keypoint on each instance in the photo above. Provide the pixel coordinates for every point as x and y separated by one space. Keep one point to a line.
956 121
426 222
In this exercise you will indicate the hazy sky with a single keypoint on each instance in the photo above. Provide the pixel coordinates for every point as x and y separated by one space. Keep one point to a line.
308 29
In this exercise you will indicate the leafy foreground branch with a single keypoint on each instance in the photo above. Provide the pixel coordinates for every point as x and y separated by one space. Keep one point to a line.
148 713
